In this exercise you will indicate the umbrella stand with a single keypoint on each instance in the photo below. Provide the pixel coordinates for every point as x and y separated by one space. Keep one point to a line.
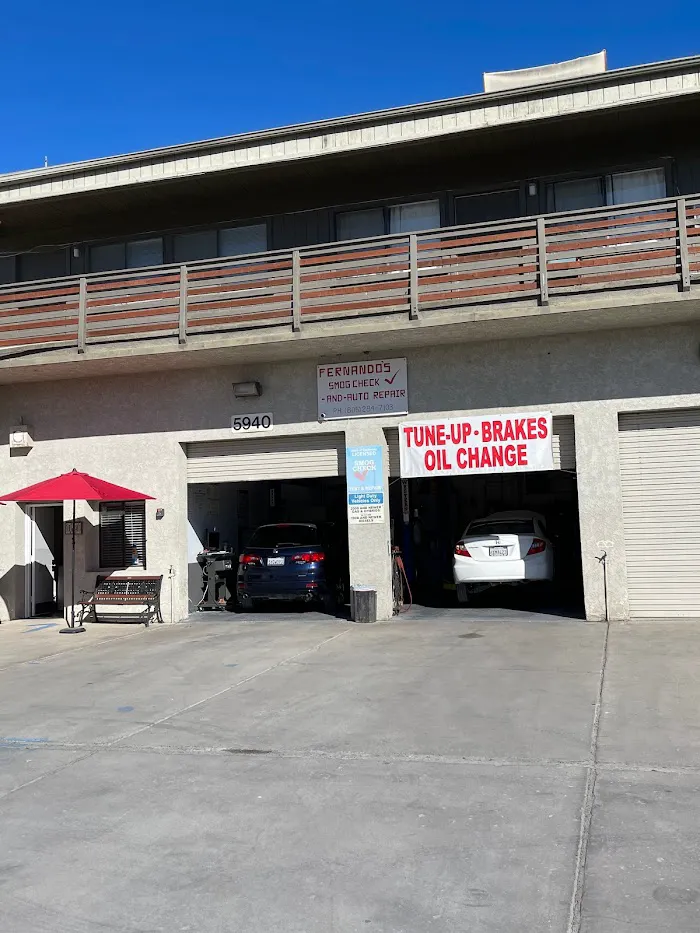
72 628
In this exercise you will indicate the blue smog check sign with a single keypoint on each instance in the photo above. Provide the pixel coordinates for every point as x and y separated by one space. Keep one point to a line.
364 469
364 389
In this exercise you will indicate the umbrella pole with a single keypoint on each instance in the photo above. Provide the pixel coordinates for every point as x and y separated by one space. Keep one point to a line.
72 571
72 628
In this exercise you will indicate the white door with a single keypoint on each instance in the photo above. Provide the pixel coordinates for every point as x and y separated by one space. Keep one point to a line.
660 470
45 543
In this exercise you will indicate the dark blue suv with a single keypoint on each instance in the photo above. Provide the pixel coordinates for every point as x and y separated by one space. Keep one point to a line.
294 562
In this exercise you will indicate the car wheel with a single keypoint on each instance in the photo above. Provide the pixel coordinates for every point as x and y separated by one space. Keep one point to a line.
462 594
244 604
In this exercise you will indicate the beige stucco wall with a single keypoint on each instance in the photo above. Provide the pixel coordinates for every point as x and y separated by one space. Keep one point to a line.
130 430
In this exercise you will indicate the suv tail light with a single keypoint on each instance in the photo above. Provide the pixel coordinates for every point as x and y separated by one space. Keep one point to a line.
249 559
461 549
537 546
312 558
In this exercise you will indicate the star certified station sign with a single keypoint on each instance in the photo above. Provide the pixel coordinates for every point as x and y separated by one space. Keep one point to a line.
362 390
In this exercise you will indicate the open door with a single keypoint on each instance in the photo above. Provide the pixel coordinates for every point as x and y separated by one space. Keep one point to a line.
45 559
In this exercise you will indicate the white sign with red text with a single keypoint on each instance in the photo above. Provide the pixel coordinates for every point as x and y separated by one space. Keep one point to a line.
481 444
362 390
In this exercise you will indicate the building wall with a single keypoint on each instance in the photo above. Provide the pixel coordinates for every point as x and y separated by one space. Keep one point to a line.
130 430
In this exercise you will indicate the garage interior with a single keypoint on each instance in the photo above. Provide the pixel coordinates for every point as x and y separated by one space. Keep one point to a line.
429 515
236 485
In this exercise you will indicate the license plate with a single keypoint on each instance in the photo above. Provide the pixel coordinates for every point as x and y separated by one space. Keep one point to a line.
498 552
275 561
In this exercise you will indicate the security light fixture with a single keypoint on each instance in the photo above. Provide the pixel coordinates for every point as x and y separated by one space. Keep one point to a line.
532 189
247 389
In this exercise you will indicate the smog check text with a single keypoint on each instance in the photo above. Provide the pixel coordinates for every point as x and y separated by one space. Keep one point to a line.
360 396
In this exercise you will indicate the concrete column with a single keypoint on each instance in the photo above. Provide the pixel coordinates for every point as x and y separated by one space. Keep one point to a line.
369 545
600 511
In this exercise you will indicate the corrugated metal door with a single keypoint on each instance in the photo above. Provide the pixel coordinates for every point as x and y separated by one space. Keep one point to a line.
563 443
660 468
250 459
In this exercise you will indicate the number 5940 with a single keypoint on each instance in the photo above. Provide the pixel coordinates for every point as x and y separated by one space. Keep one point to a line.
241 424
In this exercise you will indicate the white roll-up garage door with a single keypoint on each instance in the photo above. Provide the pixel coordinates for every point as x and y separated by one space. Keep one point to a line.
271 458
660 468
563 443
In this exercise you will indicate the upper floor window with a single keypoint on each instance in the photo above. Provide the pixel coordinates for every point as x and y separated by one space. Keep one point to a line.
134 254
237 241
43 264
491 205
411 218
199 244
627 187
603 190
354 225
144 253
400 218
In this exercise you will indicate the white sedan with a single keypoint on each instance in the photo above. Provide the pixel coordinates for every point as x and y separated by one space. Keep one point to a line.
506 547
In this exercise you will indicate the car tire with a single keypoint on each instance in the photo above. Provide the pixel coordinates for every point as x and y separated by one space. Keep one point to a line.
244 604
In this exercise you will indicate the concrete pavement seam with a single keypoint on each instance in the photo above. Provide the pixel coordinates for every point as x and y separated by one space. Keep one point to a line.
239 683
95 749
574 924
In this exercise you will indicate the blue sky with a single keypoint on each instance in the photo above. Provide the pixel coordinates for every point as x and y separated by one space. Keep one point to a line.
87 79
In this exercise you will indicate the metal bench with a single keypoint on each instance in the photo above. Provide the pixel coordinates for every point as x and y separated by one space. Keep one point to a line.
123 591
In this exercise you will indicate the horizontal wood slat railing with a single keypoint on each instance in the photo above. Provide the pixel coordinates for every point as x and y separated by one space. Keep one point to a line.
535 259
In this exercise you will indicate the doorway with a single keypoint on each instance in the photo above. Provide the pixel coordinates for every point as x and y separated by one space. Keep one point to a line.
45 559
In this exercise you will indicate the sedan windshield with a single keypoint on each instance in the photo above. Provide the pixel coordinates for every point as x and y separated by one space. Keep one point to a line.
285 536
511 526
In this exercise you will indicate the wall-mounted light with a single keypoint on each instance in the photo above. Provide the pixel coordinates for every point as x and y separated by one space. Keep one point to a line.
247 389
21 437
76 252
532 189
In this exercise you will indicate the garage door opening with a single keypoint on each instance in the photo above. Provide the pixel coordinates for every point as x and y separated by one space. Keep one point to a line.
430 515
235 486
225 516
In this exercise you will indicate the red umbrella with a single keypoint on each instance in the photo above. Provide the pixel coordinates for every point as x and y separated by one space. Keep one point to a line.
74 485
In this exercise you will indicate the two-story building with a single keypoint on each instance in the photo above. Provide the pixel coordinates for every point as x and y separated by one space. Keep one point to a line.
531 249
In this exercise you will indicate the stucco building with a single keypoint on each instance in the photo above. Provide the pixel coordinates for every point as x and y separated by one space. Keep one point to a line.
531 249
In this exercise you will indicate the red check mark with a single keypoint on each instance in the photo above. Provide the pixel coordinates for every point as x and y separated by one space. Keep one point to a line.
389 381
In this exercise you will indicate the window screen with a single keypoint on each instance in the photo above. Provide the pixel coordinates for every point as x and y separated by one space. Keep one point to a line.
122 528
144 253
237 241
410 218
354 225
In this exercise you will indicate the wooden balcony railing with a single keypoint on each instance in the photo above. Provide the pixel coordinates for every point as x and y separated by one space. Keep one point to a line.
534 260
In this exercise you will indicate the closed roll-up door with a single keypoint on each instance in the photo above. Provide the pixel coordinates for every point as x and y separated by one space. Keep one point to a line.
563 444
660 470
251 459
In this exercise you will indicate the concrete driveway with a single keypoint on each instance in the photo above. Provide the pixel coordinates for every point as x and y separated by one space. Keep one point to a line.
442 773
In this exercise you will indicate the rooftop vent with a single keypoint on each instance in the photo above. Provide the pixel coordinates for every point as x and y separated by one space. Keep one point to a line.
545 74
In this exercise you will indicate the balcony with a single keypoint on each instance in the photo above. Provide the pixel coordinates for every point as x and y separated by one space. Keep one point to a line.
592 259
